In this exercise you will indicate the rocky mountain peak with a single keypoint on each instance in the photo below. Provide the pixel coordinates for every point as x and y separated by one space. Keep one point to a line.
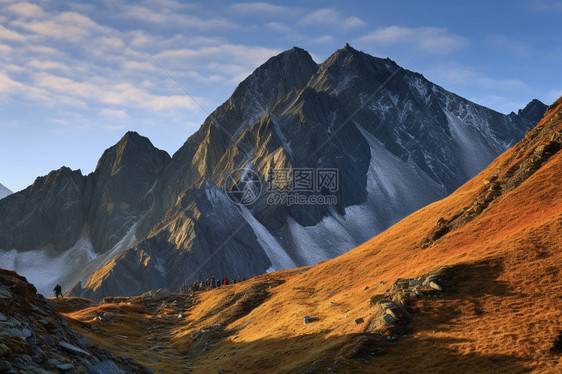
288 71
533 112
131 149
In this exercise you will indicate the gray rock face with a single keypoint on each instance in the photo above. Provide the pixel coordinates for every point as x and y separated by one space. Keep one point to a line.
123 177
30 346
533 112
200 156
49 212
195 244
56 209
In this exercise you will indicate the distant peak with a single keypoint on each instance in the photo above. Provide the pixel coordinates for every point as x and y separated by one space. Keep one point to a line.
135 139
132 135
534 111
294 52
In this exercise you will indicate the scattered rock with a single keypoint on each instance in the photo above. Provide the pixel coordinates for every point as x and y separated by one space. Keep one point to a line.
74 349
4 292
308 319
106 367
435 286
161 294
392 306
35 338
65 366
109 315
155 359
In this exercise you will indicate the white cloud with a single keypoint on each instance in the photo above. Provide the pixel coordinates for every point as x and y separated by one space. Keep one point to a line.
47 65
69 26
27 10
263 9
5 49
515 47
499 103
453 75
232 61
331 17
546 5
502 84
424 39
276 26
114 113
106 92
322 39
163 16
7 34
553 95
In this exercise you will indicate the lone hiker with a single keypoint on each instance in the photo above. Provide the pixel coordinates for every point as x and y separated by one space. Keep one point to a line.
58 291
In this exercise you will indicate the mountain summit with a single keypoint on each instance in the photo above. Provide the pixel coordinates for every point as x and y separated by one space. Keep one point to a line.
396 141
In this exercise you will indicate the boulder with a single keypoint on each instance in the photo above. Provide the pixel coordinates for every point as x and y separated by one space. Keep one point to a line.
74 349
435 286
109 315
161 294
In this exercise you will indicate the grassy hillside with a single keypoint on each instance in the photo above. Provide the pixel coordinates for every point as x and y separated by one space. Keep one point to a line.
496 243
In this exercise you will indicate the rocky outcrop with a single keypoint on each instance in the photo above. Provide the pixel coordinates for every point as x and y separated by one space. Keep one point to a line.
34 338
50 212
196 243
393 314
124 176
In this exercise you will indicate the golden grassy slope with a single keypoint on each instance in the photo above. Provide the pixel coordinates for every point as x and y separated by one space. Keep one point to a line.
502 314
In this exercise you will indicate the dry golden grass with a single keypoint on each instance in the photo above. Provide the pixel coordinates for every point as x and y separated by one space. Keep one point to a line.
501 315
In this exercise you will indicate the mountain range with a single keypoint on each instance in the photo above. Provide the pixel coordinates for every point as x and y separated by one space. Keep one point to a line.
469 283
144 220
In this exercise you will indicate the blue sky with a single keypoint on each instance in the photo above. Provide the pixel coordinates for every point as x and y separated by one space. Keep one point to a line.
75 76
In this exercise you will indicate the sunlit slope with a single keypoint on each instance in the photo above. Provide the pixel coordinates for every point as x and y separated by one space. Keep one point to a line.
499 238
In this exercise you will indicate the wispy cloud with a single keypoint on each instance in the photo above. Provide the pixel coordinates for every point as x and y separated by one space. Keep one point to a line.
70 26
553 95
500 103
11 35
424 39
114 113
466 76
262 8
513 46
26 10
331 17
546 5
234 59
175 14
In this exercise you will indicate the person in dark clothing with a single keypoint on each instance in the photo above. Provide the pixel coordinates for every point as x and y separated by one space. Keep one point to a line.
58 291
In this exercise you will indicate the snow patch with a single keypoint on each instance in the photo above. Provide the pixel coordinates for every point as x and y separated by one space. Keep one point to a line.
279 258
45 269
395 189
474 151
